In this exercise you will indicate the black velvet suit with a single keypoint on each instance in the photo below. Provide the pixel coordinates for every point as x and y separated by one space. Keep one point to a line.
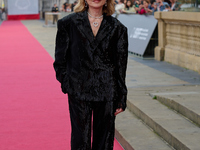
92 69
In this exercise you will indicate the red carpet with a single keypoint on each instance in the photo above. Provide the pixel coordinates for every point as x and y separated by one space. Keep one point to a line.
33 111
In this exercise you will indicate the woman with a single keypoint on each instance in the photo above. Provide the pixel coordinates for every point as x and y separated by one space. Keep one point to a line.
119 6
68 8
129 8
143 9
174 5
90 63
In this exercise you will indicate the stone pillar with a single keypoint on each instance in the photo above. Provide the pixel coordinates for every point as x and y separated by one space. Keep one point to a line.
179 39
160 49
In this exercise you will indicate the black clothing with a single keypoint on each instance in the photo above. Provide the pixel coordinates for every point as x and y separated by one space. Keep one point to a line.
92 68
72 7
103 124
55 16
54 9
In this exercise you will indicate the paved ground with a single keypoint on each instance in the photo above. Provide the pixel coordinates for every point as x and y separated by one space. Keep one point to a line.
45 35
189 76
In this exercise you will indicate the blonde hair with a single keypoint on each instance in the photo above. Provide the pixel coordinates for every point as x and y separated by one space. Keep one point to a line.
109 9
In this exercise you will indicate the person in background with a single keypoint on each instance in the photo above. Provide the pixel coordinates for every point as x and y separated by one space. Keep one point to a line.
1 11
175 6
153 7
73 5
168 2
165 3
167 8
55 10
138 4
143 9
125 2
160 5
120 6
152 1
129 8
68 8
133 2
63 8
141 2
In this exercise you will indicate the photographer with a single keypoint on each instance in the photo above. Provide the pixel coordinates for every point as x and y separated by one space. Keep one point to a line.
55 10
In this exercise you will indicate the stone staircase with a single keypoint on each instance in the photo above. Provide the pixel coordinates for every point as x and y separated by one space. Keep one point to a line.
161 118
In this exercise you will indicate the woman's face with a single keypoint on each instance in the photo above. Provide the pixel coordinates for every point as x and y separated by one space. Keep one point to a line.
129 3
96 3
145 3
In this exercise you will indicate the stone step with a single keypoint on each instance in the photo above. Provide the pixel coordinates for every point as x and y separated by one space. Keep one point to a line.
171 126
186 103
133 134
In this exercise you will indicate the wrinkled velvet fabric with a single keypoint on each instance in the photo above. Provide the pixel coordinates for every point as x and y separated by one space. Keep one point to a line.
92 68
103 124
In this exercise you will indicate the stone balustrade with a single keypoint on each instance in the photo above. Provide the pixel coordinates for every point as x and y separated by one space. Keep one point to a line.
179 39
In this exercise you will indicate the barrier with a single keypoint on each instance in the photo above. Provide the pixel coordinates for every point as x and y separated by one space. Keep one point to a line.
49 16
142 33
21 10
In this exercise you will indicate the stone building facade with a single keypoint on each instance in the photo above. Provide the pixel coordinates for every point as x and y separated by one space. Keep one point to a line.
179 39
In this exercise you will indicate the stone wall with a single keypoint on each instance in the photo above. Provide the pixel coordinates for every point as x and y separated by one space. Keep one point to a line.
179 39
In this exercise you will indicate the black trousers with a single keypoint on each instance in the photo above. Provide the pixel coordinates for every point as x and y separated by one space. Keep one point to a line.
103 123
55 18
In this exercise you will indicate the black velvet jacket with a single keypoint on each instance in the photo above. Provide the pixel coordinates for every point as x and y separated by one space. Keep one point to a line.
92 68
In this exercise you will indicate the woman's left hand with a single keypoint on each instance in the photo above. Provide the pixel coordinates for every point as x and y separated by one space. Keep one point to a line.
118 110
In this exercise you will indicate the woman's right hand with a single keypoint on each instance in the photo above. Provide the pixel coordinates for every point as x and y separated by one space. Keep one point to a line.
118 110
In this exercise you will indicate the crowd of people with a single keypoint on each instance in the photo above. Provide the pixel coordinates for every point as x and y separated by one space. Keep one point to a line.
67 7
136 6
146 6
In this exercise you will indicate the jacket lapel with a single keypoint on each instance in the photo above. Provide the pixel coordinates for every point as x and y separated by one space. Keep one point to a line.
84 27
106 27
82 23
